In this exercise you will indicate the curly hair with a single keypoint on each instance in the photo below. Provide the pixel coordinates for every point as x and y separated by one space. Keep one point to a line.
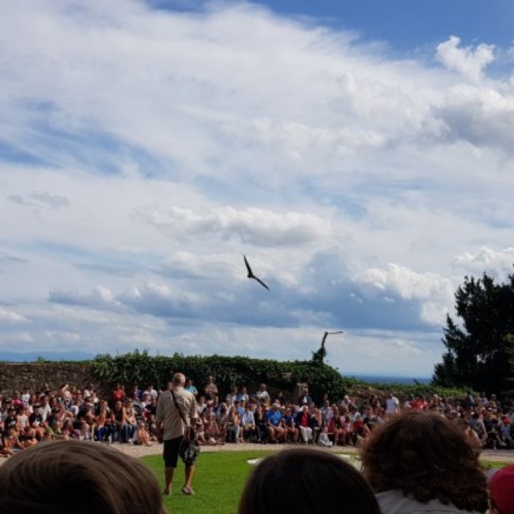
427 457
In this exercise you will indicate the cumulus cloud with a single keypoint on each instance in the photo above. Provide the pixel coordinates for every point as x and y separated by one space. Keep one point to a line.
497 263
321 96
156 147
481 115
159 299
254 226
433 291
99 297
468 61
404 282
11 317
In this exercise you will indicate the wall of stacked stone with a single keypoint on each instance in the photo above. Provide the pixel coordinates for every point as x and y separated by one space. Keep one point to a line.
36 376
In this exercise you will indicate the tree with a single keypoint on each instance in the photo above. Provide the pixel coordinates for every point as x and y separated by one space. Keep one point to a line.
510 356
478 354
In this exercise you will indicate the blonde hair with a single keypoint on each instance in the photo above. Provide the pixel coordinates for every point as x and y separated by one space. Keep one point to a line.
61 477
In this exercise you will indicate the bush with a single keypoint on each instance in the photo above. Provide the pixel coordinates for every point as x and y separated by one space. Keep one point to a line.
140 368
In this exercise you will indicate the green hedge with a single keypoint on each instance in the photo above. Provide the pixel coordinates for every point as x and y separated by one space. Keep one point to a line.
143 369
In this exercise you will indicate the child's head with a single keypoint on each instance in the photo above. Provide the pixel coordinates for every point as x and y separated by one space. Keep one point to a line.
46 477
306 480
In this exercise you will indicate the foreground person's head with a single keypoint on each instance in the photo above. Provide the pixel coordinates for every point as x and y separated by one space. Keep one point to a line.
426 457
304 481
501 488
77 477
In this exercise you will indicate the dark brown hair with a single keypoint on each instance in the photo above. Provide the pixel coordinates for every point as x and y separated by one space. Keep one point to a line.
427 457
59 477
304 481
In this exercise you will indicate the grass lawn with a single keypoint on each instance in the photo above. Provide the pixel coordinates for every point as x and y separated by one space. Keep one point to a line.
219 481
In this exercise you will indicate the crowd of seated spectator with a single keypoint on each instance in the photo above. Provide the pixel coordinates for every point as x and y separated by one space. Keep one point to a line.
73 413
242 415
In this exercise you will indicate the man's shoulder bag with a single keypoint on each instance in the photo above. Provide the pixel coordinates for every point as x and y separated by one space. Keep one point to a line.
189 447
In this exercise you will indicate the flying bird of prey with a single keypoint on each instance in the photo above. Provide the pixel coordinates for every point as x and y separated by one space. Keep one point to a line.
251 275
325 337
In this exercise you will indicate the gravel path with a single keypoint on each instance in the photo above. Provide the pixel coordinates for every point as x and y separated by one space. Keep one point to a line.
506 456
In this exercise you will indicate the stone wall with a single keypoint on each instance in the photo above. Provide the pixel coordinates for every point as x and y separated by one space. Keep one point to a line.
19 376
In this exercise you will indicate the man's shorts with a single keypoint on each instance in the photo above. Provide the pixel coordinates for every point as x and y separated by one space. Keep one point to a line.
170 451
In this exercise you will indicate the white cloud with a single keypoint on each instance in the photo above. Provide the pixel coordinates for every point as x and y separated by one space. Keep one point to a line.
11 316
405 282
152 149
469 61
40 200
434 292
251 226
496 263
483 115
98 297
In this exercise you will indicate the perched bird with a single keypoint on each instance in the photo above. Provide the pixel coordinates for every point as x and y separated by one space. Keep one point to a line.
319 356
325 337
251 275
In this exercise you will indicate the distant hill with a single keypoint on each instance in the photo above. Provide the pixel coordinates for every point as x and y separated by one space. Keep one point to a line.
391 379
49 356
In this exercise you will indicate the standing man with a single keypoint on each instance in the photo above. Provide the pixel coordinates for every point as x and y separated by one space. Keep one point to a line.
262 394
176 413
211 390
392 404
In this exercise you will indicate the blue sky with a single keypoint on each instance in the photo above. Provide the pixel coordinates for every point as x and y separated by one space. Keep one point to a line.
359 153
406 24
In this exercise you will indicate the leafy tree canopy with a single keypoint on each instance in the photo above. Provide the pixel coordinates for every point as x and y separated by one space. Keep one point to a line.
478 353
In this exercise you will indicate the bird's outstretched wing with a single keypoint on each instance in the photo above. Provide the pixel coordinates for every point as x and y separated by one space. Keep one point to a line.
261 282
326 334
248 269
251 275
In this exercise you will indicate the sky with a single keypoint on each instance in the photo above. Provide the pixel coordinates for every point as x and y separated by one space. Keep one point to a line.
359 153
